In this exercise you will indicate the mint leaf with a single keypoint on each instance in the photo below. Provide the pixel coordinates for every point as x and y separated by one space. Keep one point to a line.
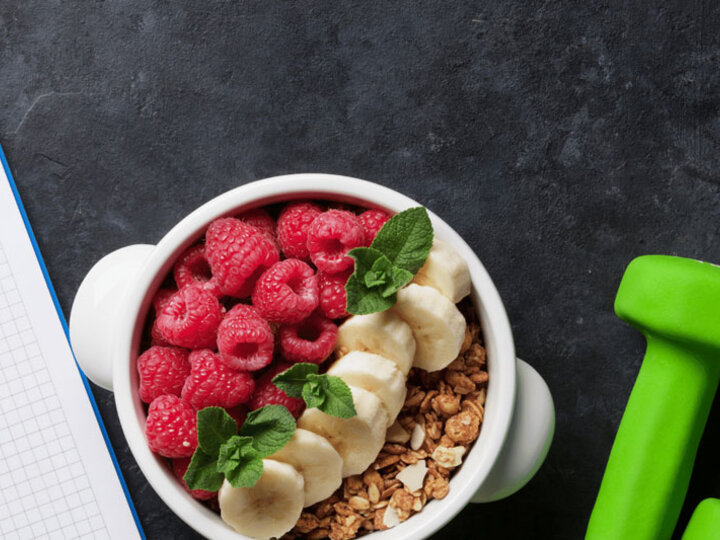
362 300
313 393
292 380
202 472
365 258
397 279
398 251
214 427
375 278
387 277
270 428
337 398
240 462
234 452
379 273
329 394
406 239
247 475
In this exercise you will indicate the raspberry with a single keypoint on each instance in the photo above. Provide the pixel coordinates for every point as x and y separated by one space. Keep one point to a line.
212 384
192 268
331 235
159 301
292 227
238 253
371 222
261 220
179 467
171 427
190 318
333 301
161 298
310 341
162 370
238 413
245 340
287 292
266 393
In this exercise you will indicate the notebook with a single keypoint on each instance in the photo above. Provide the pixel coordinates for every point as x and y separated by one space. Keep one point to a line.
59 478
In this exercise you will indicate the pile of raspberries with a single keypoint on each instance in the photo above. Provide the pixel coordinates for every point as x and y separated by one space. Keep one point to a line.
250 300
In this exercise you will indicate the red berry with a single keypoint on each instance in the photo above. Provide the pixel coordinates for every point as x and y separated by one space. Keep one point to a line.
212 384
171 427
266 393
190 318
371 222
333 300
162 370
192 268
331 235
292 227
180 466
312 340
161 298
245 340
261 220
287 292
238 254
238 413
156 339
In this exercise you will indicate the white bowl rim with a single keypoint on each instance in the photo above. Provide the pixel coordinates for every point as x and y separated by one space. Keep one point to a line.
502 386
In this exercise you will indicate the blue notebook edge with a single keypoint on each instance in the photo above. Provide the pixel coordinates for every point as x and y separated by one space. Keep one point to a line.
61 316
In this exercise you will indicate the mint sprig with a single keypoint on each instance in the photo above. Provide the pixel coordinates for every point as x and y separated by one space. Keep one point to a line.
394 257
269 427
222 453
239 461
328 393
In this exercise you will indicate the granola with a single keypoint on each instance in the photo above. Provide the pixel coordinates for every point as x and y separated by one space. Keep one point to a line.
440 420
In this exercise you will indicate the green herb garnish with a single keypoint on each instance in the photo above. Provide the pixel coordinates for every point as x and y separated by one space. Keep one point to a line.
222 453
328 393
394 257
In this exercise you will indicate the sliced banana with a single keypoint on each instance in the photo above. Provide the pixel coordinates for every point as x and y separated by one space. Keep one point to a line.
446 271
375 374
382 333
359 439
270 508
437 325
316 460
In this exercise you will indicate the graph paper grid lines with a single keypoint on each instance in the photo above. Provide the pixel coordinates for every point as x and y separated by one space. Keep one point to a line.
46 492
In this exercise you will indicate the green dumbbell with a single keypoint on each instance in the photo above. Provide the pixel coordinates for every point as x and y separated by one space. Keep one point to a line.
705 522
675 303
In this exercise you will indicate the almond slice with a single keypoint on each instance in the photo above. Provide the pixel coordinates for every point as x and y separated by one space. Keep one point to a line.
418 437
413 476
448 457
390 518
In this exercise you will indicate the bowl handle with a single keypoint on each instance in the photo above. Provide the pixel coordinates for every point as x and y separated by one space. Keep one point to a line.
528 440
93 317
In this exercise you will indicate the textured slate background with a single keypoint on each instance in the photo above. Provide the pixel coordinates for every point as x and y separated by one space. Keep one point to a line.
559 140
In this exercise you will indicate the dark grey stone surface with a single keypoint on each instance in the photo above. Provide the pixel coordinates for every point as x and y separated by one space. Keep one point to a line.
559 139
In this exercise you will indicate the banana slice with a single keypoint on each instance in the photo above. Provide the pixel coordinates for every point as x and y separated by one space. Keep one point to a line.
270 508
382 333
359 439
374 374
446 271
437 325
315 458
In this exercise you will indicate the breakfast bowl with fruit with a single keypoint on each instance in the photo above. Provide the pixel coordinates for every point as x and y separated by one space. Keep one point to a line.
313 356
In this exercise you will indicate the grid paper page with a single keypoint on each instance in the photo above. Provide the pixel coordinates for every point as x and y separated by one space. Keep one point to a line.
57 479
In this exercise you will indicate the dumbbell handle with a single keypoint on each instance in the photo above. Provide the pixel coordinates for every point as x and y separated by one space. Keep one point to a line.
651 460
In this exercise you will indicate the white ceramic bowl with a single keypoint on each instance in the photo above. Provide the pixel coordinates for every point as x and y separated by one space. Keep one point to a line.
111 305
